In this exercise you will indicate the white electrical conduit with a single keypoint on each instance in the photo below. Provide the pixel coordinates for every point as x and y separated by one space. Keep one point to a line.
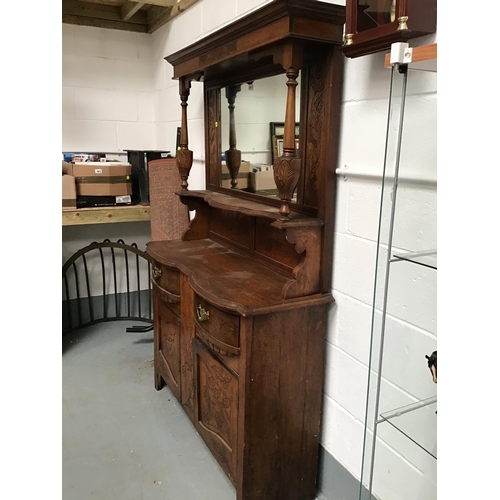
346 173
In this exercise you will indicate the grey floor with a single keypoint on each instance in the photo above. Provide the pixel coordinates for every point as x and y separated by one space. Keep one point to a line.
122 439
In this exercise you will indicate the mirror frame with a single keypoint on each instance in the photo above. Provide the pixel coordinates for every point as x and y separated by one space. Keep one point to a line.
214 95
296 37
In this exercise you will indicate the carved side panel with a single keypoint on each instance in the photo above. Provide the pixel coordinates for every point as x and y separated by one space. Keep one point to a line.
314 145
212 131
307 273
169 347
217 408
198 227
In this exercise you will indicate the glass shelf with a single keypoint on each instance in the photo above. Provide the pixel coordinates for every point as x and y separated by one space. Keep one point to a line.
411 419
428 258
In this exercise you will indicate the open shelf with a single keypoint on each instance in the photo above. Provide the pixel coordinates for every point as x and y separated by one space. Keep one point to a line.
414 421
427 258
230 203
105 215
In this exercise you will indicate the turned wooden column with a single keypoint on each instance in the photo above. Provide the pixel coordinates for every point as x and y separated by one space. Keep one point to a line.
233 155
183 155
287 166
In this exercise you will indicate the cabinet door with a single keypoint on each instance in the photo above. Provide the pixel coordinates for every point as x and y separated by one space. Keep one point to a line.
216 407
167 345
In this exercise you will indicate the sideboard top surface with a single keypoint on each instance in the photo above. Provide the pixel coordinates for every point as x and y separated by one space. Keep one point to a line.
227 279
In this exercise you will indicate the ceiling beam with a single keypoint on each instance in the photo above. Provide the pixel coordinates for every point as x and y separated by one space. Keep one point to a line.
162 3
104 23
130 8
114 3
163 18
99 11
140 15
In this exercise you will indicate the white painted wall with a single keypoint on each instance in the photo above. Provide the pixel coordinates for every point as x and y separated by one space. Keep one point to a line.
107 106
256 106
107 90
151 108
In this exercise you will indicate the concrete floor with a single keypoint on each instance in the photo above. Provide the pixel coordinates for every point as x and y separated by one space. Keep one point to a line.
122 439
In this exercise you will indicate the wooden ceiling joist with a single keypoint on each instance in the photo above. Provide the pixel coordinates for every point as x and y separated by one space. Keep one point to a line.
139 16
169 14
128 9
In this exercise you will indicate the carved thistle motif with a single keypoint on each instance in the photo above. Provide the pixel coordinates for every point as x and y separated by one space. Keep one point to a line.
233 163
287 167
184 159
286 177
183 155
233 155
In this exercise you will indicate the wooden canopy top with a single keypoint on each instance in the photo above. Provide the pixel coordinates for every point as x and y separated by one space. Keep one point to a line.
273 24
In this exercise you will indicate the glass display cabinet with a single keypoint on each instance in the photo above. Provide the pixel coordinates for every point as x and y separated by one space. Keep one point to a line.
400 434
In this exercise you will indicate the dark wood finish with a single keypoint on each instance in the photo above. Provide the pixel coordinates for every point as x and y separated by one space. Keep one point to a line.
186 346
167 348
216 408
219 329
233 155
277 21
282 428
253 287
183 155
412 18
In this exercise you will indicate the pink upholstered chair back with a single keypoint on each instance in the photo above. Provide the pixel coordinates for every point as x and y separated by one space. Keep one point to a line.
169 217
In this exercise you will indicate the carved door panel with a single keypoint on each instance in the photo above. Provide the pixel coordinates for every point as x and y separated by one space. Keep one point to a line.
216 407
167 355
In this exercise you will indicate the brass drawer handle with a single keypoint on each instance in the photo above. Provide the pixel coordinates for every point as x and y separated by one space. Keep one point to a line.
203 315
156 272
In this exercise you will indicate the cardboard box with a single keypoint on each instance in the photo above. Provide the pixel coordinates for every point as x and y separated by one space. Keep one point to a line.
244 167
242 180
259 167
261 181
67 168
103 179
103 201
68 191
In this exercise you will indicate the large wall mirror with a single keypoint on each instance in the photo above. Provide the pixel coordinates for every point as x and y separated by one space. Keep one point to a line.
251 133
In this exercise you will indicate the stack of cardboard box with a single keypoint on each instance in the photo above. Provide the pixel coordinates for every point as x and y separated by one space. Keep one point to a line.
242 175
68 186
262 179
98 183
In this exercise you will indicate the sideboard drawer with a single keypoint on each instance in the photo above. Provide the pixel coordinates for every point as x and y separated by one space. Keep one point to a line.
221 330
166 278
